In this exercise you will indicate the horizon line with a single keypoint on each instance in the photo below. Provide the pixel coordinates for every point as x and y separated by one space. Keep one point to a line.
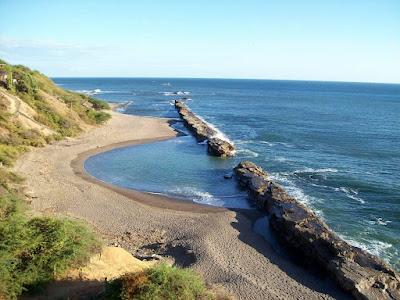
224 78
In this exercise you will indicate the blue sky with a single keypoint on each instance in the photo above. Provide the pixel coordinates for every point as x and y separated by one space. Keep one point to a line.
307 40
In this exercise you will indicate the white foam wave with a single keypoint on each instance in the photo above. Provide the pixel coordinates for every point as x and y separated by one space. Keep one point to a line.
297 192
311 170
379 221
374 247
96 92
273 144
218 133
203 197
247 153
280 159
268 143
177 93
350 193
243 142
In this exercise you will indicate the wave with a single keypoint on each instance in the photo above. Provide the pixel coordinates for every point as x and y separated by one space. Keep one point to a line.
273 144
379 221
243 142
281 159
247 153
311 170
203 197
218 133
96 92
177 93
296 192
374 247
350 193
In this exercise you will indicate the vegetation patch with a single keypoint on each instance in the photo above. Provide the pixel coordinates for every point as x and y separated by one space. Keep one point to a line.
161 282
34 89
34 251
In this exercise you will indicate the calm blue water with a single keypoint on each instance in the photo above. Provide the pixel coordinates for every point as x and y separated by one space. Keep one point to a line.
335 146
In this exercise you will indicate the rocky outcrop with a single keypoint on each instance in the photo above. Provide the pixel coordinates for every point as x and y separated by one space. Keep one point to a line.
220 147
363 275
204 132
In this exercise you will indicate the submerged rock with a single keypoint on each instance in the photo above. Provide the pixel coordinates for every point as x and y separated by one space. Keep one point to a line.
203 131
364 275
228 176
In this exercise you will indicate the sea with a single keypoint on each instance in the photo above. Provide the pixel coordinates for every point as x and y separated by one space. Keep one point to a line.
335 146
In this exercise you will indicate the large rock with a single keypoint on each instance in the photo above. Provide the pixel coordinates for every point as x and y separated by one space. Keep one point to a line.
364 275
203 131
220 147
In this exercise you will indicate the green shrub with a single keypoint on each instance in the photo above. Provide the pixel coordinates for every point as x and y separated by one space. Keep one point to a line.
98 104
7 178
98 117
161 282
33 252
25 82
8 154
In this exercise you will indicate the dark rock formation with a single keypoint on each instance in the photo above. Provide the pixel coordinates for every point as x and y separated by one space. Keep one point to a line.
220 147
364 275
202 131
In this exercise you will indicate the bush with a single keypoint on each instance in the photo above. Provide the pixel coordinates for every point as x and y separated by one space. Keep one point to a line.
99 117
7 178
33 252
25 82
161 282
8 154
98 104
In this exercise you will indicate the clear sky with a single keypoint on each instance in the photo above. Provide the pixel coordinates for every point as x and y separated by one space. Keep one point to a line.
347 40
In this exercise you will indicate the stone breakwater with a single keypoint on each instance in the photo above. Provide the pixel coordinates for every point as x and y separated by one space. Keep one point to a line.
204 132
364 275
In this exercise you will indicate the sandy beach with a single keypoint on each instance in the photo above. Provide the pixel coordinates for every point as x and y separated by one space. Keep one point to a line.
218 243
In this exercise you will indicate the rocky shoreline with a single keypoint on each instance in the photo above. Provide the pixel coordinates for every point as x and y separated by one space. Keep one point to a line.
363 275
204 132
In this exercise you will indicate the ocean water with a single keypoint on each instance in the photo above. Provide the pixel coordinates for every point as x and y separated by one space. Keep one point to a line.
335 146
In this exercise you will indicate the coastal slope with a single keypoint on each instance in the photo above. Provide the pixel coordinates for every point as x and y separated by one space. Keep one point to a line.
218 243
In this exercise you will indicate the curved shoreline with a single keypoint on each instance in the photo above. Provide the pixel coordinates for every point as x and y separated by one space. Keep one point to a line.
159 201
226 249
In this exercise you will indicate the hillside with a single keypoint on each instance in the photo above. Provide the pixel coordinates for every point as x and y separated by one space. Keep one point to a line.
54 257
34 111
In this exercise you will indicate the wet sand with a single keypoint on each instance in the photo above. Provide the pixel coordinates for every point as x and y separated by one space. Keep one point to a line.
216 242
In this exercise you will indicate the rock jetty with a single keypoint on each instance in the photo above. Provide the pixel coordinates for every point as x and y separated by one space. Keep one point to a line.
204 132
363 275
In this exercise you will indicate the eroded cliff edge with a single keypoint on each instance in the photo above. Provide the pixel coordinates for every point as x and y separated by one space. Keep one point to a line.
364 275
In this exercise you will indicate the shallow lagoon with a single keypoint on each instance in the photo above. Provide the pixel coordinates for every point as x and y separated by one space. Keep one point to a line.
168 167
